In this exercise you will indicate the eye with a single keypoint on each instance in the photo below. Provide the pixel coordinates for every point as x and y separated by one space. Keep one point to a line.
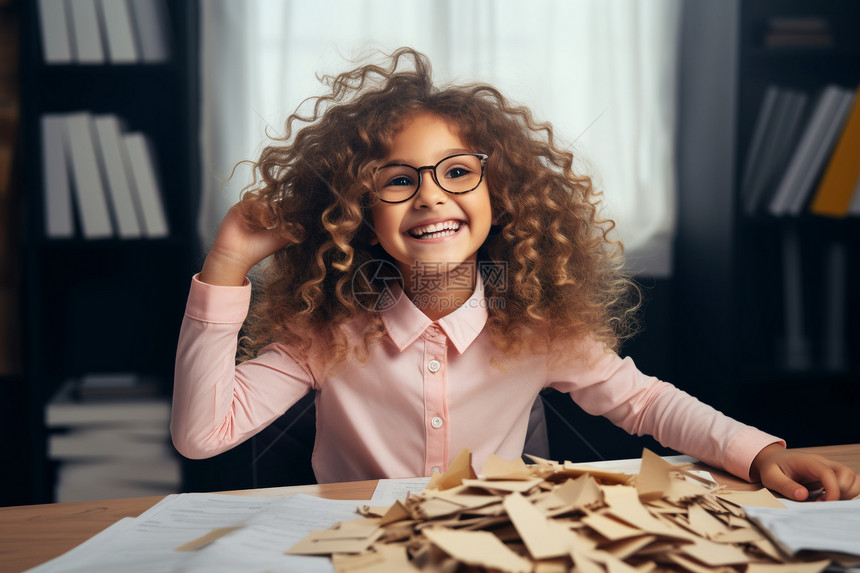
457 172
460 168
396 176
400 181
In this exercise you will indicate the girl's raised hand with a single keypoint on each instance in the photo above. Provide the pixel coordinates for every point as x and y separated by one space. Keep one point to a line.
785 472
238 246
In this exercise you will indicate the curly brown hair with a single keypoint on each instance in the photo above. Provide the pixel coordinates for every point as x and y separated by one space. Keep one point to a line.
565 276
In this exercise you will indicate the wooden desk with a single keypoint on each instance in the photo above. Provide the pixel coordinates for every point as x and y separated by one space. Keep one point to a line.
33 534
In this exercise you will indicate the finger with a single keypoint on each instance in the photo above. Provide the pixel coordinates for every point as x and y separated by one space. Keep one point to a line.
781 483
828 480
849 482
854 492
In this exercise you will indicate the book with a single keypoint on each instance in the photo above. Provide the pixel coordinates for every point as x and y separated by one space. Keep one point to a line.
798 40
81 480
118 27
59 218
69 409
113 385
97 443
770 119
86 32
833 196
815 143
783 130
764 124
86 177
798 25
141 166
801 198
797 32
109 138
56 43
153 30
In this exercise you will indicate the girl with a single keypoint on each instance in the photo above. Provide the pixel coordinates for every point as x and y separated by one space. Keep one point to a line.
436 263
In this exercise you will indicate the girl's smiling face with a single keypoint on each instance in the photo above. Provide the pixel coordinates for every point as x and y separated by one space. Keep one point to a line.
433 230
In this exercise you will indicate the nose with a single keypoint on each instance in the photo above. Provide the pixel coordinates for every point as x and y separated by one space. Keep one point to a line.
428 193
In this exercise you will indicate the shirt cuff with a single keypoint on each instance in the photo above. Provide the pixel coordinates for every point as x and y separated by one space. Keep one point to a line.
743 449
219 304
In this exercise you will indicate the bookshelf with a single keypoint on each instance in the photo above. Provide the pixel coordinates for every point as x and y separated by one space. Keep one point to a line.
107 303
764 314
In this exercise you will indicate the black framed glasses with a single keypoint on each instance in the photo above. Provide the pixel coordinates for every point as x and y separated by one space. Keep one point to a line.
455 174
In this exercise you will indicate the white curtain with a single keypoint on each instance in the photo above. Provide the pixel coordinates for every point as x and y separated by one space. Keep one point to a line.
602 71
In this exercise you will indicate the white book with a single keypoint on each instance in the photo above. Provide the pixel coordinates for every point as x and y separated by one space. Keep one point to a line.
756 180
86 177
113 479
109 137
819 159
59 220
764 123
802 159
56 44
86 32
119 29
143 175
785 144
787 123
153 29
65 411
108 443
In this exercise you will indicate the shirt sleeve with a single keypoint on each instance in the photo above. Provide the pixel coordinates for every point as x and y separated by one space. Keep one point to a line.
605 384
216 404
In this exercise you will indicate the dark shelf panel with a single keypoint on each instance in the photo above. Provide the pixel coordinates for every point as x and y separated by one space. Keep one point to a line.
109 305
731 268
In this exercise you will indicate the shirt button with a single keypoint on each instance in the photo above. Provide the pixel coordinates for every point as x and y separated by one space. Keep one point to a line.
434 366
434 469
436 422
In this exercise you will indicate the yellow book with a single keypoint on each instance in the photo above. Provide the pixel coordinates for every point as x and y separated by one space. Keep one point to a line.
833 196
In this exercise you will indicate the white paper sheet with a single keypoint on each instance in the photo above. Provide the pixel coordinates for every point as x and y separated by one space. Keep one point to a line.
820 526
147 543
390 490
260 545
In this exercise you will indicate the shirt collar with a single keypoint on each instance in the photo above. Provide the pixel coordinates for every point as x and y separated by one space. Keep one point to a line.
405 323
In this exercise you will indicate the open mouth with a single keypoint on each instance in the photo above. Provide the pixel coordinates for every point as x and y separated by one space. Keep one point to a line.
435 230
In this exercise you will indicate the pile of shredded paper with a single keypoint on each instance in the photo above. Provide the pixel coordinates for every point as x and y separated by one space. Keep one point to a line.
554 517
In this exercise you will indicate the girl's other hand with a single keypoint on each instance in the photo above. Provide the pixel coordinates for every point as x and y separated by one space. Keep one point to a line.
239 246
785 472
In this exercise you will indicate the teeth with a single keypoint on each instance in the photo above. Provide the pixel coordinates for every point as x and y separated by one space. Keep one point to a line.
435 228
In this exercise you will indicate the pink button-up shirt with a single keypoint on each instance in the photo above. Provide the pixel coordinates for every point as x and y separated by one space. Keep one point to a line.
425 391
